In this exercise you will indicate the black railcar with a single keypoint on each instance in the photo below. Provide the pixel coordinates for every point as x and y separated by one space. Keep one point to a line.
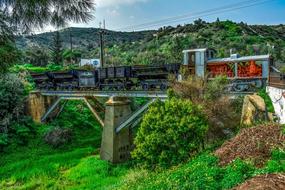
63 80
86 79
109 78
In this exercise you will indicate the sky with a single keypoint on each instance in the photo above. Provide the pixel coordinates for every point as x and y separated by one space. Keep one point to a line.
121 14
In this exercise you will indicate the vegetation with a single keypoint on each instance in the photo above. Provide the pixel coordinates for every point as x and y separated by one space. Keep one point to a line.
170 142
267 99
9 55
12 98
30 163
27 15
56 48
166 44
170 133
202 172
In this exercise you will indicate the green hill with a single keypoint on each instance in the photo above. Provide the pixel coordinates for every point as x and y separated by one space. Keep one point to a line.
166 44
82 38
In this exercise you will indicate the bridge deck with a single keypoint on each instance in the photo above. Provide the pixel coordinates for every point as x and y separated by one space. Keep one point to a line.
141 94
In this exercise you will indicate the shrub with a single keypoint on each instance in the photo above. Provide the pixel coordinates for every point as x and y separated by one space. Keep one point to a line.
170 133
282 69
202 172
262 93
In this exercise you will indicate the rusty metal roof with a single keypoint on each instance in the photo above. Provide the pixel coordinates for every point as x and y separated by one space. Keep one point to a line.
240 59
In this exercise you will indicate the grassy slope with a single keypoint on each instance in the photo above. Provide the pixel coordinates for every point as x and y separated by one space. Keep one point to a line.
77 165
73 166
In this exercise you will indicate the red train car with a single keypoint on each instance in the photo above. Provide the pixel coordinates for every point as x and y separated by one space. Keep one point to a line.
245 73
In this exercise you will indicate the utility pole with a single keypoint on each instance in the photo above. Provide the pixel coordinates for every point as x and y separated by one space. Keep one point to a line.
71 45
101 38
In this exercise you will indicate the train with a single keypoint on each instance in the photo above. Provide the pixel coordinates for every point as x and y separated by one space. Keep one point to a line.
244 73
247 73
139 77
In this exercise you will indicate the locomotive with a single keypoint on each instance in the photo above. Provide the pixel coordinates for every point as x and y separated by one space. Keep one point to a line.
244 73
108 78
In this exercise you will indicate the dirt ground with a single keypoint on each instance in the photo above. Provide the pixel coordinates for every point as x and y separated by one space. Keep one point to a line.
253 144
264 182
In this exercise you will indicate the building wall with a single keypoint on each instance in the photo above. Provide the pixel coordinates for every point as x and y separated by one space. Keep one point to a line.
277 96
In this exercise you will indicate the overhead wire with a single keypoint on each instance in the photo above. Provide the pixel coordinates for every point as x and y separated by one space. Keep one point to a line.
213 11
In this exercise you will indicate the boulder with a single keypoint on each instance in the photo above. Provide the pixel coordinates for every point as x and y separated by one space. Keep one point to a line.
58 137
254 110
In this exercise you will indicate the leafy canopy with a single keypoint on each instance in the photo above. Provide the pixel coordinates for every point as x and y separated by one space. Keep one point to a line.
26 15
170 133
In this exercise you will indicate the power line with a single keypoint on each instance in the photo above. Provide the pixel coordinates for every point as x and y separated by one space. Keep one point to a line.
208 12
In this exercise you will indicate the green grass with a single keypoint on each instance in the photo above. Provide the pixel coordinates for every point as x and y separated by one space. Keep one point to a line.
77 165
72 166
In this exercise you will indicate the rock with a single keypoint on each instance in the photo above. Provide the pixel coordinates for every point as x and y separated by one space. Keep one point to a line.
254 109
58 137
269 181
258 102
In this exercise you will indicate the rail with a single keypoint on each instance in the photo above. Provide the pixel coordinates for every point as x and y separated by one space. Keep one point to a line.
139 94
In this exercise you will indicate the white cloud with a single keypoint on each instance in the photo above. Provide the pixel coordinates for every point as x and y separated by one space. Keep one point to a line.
108 3
113 12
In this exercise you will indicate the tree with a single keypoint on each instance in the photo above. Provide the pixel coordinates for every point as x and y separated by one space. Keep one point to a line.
9 55
170 133
56 49
26 15
12 97
36 56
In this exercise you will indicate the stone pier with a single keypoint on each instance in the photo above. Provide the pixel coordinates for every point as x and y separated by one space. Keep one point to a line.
115 147
37 105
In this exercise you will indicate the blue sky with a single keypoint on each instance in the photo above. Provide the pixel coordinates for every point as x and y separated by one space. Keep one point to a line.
123 13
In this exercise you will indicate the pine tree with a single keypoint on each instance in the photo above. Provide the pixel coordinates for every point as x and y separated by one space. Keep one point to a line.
56 49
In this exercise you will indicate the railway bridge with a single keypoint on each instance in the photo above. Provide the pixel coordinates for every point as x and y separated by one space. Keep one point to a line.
117 120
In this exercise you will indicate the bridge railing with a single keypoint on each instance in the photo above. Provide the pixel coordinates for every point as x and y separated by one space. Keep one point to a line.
277 80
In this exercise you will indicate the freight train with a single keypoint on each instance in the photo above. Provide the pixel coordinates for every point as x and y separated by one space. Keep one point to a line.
109 78
245 74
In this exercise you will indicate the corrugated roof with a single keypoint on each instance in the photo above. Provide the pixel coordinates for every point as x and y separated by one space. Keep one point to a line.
240 59
195 50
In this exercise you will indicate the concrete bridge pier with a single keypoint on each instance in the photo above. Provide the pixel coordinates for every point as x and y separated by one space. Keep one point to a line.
37 105
115 147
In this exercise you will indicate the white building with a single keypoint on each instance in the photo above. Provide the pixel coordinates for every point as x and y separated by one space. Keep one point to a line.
90 62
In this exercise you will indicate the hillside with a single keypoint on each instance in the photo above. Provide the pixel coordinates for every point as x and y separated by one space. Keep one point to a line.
82 38
165 44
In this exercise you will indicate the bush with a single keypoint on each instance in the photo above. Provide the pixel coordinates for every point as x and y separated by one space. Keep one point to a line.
170 133
262 93
12 98
282 69
202 172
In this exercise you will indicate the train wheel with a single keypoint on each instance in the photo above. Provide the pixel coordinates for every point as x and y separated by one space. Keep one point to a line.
145 87
241 88
163 87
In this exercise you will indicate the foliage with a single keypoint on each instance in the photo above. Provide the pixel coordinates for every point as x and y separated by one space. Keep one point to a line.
36 56
223 113
27 15
170 133
56 49
202 172
35 164
34 69
268 102
12 97
9 55
282 69
71 56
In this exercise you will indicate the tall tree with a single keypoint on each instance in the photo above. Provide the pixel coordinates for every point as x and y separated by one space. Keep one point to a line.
56 48
26 15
